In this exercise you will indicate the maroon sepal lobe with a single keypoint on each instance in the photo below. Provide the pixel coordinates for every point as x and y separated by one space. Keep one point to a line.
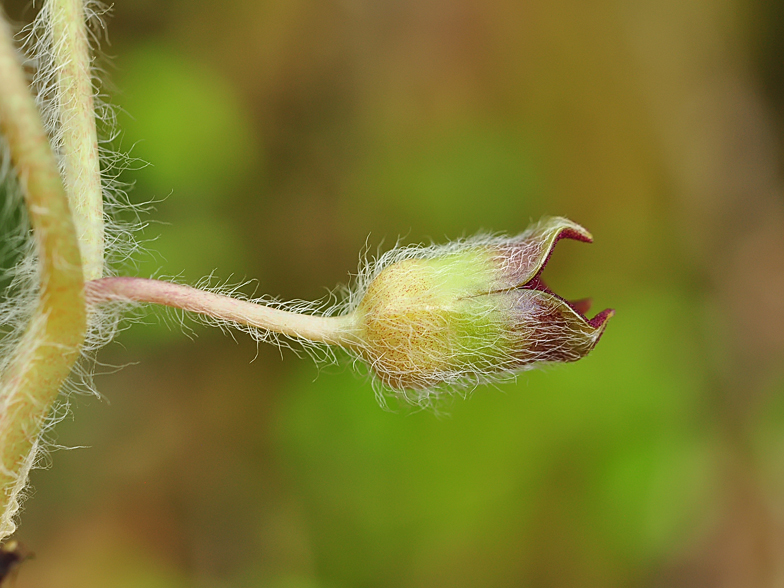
551 328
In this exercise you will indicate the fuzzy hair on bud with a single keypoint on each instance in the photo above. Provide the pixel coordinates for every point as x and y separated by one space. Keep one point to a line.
449 317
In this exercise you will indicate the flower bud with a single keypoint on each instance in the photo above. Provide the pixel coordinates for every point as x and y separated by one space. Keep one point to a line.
471 311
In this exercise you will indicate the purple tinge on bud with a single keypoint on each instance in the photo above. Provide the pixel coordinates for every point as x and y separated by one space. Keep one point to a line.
472 311
546 327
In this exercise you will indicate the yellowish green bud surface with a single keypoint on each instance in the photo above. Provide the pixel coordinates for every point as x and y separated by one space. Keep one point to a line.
471 311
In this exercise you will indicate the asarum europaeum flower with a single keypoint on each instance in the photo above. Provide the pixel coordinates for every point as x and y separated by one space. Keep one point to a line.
470 312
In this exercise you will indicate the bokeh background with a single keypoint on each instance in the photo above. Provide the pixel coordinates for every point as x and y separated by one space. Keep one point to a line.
283 138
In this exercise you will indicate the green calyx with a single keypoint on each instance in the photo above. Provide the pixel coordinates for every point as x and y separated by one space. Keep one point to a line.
422 320
472 311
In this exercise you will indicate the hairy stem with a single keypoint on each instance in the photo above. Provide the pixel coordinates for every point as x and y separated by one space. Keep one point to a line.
79 147
337 330
31 378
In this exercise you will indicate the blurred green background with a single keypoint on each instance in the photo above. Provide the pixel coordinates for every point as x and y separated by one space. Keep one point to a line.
282 138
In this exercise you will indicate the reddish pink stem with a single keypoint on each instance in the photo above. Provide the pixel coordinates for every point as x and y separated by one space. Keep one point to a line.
332 330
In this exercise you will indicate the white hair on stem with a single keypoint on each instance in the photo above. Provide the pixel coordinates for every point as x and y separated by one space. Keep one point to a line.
58 51
61 45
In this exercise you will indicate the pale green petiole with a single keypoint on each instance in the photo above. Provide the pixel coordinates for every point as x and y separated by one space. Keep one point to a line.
32 377
79 142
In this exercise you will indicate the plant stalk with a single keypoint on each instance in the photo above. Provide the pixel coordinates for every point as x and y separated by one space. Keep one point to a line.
46 352
79 140
338 330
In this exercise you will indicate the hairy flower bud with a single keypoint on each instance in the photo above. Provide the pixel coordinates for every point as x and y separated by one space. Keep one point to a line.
471 311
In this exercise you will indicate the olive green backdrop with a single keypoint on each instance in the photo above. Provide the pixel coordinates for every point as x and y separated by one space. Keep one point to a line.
283 138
